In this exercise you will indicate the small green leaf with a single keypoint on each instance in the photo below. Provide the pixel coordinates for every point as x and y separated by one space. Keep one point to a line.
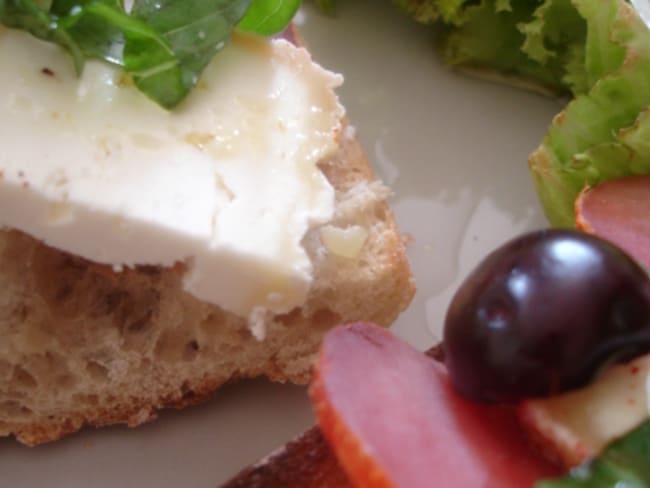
164 45
193 31
29 16
268 17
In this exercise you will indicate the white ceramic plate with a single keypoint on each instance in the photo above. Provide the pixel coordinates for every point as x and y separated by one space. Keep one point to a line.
454 151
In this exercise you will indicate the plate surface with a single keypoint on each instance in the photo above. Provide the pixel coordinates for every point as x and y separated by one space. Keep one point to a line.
454 151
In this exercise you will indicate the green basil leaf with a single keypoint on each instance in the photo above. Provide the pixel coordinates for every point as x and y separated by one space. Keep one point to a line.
194 31
102 29
164 45
29 16
268 17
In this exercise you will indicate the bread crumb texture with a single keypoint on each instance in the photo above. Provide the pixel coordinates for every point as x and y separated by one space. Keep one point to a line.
83 345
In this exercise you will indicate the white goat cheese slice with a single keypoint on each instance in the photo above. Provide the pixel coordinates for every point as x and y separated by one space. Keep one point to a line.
227 183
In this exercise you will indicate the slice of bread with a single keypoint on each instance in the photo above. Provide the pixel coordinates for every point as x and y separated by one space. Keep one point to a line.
83 345
306 461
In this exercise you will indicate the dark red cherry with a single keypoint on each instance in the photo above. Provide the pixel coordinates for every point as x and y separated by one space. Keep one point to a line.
543 314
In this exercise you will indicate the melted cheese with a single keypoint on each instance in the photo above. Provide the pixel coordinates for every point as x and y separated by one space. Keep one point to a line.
227 183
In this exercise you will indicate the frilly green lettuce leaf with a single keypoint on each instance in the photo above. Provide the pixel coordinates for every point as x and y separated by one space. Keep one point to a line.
538 42
424 11
600 135
598 51
491 38
555 39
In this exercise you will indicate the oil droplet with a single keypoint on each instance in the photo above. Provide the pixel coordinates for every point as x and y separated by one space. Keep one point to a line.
143 140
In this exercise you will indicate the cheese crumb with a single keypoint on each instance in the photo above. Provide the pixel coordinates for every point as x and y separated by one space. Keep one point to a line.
349 132
257 322
347 242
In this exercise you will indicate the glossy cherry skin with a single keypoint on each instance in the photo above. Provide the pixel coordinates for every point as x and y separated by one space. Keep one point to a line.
543 314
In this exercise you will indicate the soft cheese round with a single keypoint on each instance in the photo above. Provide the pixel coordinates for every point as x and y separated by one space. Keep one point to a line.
227 183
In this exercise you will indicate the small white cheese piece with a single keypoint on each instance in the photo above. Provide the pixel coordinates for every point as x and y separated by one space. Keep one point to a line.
580 423
227 183
257 322
346 242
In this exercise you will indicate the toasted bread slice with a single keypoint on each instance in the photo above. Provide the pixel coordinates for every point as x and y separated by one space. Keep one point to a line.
80 344
83 345
306 461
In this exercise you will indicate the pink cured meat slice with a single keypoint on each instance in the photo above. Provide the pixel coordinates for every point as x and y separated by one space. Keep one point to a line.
410 429
619 211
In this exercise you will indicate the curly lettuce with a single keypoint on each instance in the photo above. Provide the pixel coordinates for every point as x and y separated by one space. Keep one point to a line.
424 11
533 43
536 43
603 133
597 51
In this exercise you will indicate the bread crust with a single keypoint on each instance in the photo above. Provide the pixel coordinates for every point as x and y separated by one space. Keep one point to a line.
307 461
83 345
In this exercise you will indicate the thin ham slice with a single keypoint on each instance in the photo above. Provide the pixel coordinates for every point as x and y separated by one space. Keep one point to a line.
393 420
619 211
